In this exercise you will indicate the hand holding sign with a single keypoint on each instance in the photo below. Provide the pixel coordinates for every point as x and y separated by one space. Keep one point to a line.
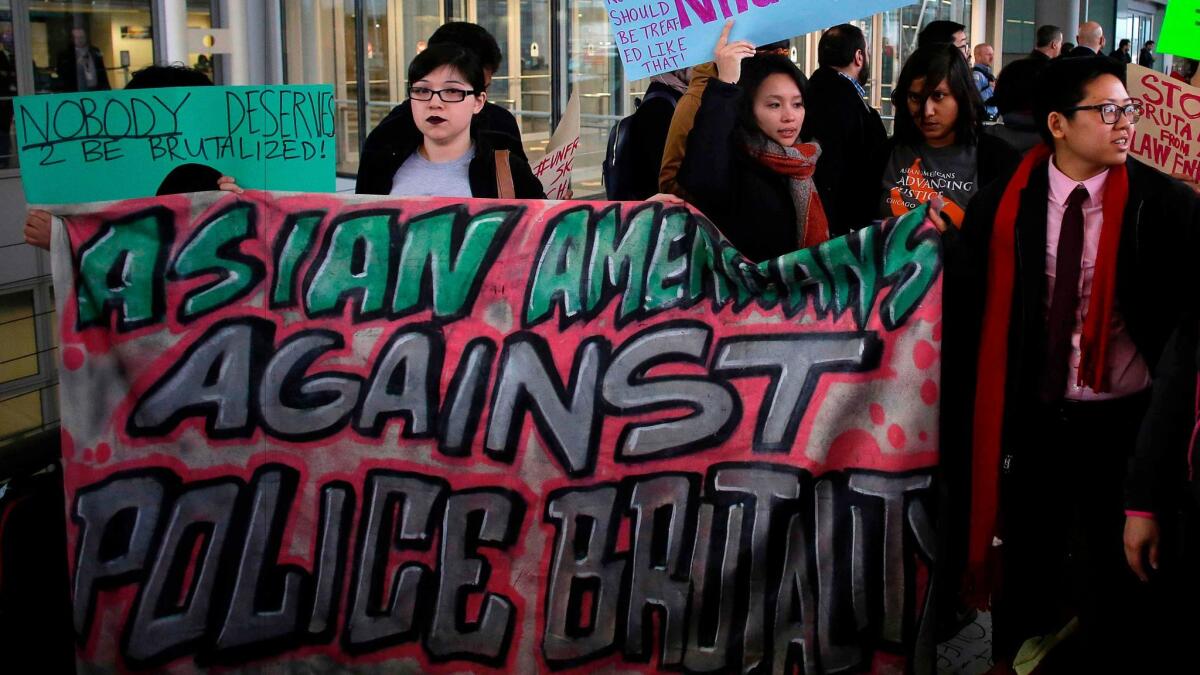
729 55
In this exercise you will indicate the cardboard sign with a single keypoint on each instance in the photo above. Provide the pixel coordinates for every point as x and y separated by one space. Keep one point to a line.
654 36
96 146
1168 135
315 432
1181 29
554 169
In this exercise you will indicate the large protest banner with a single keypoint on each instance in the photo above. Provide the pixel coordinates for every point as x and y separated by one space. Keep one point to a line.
106 145
307 431
1168 135
654 36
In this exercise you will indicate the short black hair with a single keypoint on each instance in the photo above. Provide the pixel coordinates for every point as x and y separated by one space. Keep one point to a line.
1047 34
938 62
1148 43
176 75
773 46
1062 85
465 61
755 70
939 32
839 44
1123 42
473 37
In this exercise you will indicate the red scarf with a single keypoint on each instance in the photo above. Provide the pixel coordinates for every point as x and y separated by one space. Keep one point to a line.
810 214
993 353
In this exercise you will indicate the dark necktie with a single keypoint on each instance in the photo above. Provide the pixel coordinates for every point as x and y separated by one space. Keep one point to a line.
1060 323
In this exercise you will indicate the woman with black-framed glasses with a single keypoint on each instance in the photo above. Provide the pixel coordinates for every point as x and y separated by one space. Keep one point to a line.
444 155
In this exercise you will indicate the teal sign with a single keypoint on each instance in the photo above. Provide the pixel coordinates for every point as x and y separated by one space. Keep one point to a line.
98 146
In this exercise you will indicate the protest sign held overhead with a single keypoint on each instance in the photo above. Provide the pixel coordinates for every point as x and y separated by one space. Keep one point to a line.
316 432
1167 136
554 169
1181 29
655 36
109 145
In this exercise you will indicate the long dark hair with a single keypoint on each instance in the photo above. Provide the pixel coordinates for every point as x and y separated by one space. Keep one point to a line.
755 70
937 63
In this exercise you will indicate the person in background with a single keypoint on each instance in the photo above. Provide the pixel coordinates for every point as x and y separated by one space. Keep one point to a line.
985 80
746 164
493 118
1183 69
1014 101
185 178
1122 52
79 66
442 153
1049 43
1090 39
1067 48
946 32
938 148
1063 255
850 132
8 89
1146 55
685 114
648 129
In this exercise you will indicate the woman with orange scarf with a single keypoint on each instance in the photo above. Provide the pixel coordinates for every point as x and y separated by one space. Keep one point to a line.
746 167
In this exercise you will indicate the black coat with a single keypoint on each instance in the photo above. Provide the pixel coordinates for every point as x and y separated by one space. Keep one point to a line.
1156 289
648 129
1146 58
397 137
750 204
1123 57
68 78
853 145
1080 50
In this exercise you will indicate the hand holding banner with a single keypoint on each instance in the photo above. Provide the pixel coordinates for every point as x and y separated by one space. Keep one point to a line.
654 36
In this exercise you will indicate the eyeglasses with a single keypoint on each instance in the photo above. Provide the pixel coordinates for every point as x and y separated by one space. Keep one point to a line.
447 95
1111 112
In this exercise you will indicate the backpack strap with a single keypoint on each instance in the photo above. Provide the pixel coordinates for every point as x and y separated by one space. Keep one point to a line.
504 178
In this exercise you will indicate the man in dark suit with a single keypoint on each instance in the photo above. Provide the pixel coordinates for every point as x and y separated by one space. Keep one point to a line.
80 66
1090 40
1146 55
1049 43
1068 260
850 132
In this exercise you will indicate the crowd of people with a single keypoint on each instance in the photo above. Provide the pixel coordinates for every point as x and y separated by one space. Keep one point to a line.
1071 348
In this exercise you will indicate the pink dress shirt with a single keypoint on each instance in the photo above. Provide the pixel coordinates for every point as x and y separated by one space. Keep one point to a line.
1127 370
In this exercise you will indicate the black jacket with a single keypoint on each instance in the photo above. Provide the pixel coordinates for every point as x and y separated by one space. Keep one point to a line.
1146 58
750 204
1168 453
647 137
68 78
397 137
853 145
1156 288
1080 50
1118 55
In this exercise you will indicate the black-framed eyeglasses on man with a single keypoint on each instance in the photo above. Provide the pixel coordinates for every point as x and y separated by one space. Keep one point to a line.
448 95
1111 112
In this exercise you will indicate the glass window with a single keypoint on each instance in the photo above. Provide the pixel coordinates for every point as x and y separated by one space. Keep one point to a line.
8 87
522 29
21 413
901 27
595 72
199 16
319 47
87 48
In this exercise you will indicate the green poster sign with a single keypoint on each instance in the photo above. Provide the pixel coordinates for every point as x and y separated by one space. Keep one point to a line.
1181 29
107 145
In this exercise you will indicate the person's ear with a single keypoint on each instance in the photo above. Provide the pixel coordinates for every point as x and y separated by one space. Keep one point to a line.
860 58
1057 122
480 99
